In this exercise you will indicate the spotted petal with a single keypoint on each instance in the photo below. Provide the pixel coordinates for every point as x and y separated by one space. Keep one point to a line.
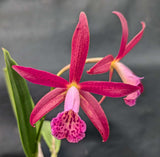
80 46
95 113
102 66
40 77
110 89
47 103
68 125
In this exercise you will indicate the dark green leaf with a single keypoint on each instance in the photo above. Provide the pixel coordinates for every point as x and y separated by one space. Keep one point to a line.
22 106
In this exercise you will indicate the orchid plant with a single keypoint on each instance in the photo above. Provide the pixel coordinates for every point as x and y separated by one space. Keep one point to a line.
75 94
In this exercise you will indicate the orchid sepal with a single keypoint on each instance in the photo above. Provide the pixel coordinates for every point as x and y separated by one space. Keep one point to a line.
134 41
124 34
102 66
80 46
95 113
110 89
47 103
40 77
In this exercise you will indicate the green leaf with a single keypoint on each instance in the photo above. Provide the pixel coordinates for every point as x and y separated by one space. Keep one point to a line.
52 143
22 105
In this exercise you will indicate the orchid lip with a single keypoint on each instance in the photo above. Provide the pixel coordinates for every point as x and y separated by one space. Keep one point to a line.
68 125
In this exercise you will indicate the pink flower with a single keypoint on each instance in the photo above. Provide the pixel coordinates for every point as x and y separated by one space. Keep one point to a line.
68 124
109 63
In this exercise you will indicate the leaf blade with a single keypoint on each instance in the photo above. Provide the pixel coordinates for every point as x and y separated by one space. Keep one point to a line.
22 105
52 143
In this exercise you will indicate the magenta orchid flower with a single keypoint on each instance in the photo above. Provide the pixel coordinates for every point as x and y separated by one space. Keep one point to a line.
109 63
68 123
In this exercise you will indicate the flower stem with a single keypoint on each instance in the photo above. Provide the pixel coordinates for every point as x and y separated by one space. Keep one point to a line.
39 129
88 60
102 99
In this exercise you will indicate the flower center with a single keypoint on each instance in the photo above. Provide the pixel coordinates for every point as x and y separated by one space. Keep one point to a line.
73 84
113 63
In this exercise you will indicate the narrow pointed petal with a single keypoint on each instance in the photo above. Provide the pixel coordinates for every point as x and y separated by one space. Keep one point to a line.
102 66
124 34
47 103
40 77
80 46
95 113
110 89
135 40
68 125
72 100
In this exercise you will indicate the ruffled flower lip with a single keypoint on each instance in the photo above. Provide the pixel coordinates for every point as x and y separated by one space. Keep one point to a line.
68 125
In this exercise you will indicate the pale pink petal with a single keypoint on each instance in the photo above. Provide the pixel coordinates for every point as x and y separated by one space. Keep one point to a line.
72 100
80 46
95 113
129 77
124 34
68 125
40 77
131 98
102 66
126 74
135 40
47 103
110 89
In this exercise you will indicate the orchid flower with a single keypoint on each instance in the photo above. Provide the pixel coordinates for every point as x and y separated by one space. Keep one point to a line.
109 63
68 123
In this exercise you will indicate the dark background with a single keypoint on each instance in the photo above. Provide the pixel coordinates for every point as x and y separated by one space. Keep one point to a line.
38 33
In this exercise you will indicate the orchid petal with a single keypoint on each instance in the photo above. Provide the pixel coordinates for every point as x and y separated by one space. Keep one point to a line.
127 75
102 66
80 46
68 125
47 103
135 40
40 77
110 89
124 34
95 113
